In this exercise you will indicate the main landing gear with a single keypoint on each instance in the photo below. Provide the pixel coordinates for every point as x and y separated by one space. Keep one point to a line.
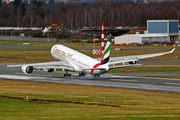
96 76
82 74
67 75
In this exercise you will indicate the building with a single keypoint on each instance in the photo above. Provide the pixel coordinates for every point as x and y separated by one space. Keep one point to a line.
164 27
138 39
16 31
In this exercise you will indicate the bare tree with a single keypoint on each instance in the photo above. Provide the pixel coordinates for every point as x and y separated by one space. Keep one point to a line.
114 13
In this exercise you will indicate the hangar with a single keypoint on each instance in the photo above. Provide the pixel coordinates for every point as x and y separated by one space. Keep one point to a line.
138 39
164 27
157 31
16 31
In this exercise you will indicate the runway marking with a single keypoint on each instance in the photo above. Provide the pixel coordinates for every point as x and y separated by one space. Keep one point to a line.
99 83
24 73
20 77
125 80
173 83
145 77
123 76
130 77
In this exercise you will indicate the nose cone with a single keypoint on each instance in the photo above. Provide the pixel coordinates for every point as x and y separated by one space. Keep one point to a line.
52 49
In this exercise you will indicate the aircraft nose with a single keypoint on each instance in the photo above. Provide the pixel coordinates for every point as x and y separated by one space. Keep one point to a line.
53 48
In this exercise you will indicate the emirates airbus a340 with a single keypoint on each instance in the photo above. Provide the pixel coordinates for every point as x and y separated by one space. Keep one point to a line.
69 59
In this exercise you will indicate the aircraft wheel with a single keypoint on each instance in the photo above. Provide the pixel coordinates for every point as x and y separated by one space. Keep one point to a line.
82 75
97 76
67 75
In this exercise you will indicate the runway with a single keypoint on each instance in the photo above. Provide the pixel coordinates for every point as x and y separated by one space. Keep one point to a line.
129 81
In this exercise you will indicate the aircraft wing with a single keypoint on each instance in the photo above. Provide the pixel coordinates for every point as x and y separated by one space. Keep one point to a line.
115 60
120 66
126 59
55 64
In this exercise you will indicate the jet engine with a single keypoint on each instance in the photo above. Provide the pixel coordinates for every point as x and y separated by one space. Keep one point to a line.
132 62
27 69
48 69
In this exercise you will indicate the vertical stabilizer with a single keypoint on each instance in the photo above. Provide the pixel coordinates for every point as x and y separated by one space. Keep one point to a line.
105 58
106 54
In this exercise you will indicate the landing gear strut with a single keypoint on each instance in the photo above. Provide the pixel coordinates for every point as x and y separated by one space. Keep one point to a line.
67 75
82 74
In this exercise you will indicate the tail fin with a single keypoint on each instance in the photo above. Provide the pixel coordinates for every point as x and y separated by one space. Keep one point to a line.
105 58
106 54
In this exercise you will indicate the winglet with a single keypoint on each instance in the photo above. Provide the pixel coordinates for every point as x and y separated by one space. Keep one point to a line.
172 50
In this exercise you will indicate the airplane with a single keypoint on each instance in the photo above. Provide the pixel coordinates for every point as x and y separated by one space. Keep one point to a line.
69 59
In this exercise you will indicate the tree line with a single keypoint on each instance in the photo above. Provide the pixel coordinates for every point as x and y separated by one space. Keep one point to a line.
72 15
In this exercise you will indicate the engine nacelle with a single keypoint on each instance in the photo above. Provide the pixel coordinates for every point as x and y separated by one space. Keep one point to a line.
48 69
132 62
27 69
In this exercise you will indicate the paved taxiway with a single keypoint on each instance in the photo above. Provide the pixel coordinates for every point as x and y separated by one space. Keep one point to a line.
129 80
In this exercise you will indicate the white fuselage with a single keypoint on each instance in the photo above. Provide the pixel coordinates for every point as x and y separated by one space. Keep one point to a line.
78 60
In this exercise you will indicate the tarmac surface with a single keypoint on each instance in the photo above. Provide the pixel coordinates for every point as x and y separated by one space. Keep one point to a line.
138 81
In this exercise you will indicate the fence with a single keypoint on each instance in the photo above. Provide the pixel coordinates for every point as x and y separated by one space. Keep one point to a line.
33 39
28 39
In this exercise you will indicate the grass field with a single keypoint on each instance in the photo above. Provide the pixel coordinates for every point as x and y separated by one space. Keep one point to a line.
25 55
41 55
74 44
132 104
168 76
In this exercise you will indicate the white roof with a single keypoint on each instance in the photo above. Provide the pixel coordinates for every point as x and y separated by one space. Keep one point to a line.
20 28
145 35
162 20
